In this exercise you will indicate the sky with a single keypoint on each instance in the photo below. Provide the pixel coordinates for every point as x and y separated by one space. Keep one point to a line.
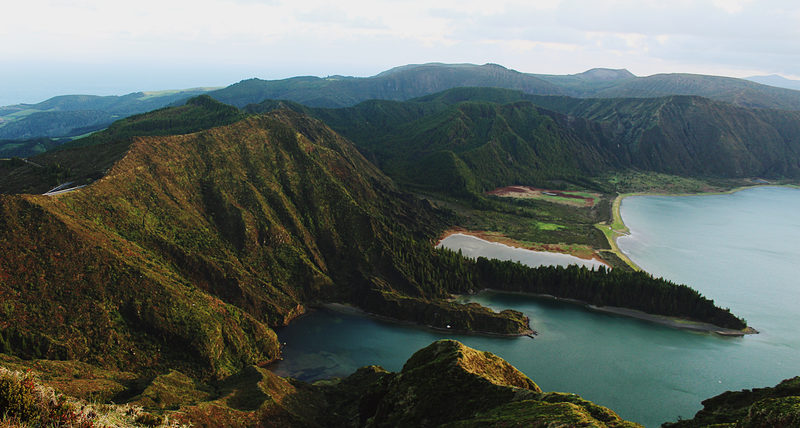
105 47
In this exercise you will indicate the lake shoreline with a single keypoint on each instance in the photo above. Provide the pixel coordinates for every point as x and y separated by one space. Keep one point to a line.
668 321
617 227
346 308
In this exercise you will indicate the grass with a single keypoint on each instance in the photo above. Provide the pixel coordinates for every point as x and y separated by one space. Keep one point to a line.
27 402
531 193
539 224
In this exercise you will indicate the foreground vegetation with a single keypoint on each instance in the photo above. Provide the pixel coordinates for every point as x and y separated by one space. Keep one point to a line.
27 402
443 383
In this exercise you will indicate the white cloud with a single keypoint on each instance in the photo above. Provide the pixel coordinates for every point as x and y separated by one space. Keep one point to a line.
280 38
731 6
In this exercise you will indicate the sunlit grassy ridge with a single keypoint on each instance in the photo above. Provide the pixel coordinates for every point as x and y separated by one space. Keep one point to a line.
194 246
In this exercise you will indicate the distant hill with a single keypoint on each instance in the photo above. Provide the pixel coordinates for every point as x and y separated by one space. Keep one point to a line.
75 115
86 159
739 92
775 80
410 81
399 83
588 82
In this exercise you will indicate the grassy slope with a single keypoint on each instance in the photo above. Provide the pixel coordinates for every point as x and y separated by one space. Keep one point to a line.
72 162
72 115
194 246
469 140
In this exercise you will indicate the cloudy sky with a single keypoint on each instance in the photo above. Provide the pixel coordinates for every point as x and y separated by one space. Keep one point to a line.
51 47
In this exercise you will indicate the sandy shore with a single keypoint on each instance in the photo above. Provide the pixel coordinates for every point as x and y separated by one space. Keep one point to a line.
673 322
588 254
617 228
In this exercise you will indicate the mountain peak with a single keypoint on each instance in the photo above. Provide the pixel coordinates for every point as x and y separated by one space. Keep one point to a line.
606 74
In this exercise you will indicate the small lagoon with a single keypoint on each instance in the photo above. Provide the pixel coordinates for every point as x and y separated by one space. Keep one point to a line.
474 247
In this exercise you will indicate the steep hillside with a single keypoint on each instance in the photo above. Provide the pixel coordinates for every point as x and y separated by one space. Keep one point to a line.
694 136
446 144
86 159
473 139
193 246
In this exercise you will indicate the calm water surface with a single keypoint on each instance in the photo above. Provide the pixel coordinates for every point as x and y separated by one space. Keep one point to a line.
474 247
742 250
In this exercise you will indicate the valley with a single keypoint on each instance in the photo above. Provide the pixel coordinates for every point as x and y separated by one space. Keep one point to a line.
193 234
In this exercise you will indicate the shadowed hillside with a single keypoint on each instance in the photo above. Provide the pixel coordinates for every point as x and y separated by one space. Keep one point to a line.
468 140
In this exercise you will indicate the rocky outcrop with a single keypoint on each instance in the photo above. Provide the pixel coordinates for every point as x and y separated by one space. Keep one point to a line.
778 406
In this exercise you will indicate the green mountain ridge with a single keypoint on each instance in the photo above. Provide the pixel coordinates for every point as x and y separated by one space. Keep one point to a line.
469 140
776 80
251 222
74 115
400 84
688 135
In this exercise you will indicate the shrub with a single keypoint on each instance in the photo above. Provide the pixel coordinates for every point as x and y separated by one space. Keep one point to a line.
25 401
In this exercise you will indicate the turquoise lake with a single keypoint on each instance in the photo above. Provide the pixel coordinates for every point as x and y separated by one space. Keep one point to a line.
741 249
